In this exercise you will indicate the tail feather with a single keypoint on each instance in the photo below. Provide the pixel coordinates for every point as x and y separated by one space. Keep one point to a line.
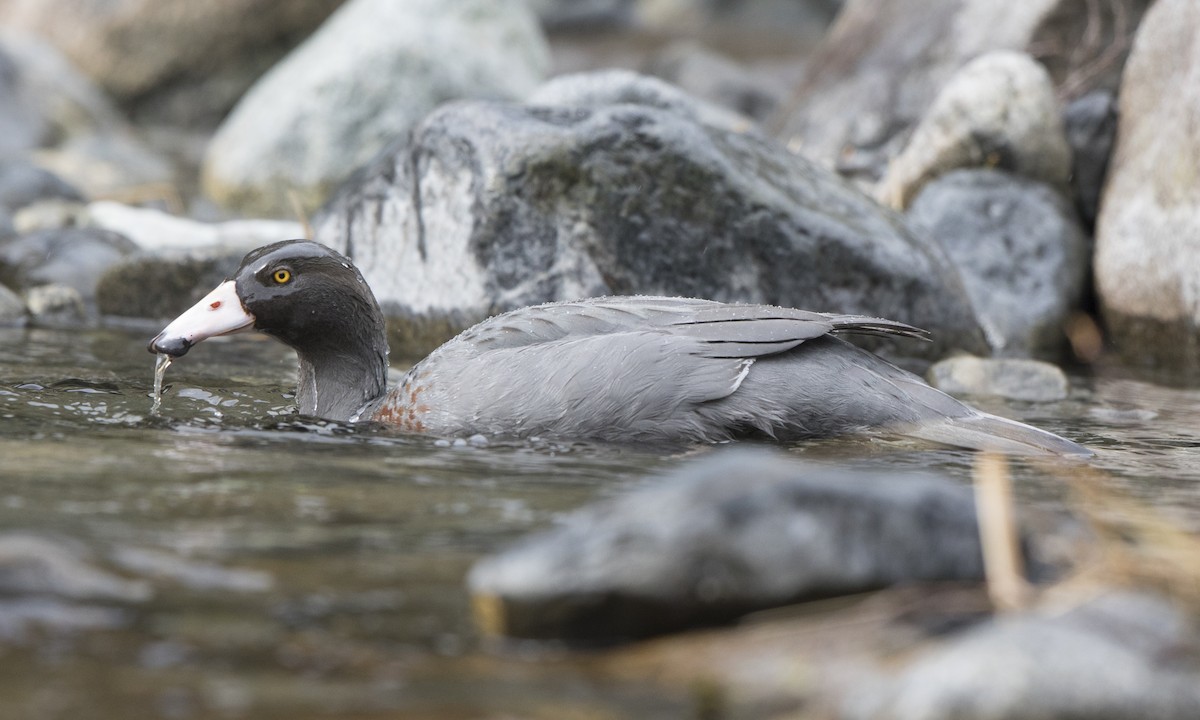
980 431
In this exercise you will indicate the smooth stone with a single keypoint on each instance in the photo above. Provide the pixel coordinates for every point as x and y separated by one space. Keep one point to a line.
512 205
731 533
998 111
881 65
34 565
581 15
171 61
52 214
1147 255
22 183
156 230
56 304
1020 250
1091 126
75 257
12 308
368 75
1121 655
1011 378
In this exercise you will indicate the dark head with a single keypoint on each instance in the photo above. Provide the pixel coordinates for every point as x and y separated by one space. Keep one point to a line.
311 299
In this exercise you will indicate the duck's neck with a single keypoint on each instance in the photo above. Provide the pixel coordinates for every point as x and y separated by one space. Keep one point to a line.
336 384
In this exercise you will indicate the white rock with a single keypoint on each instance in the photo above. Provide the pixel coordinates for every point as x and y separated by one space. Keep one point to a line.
156 230
373 70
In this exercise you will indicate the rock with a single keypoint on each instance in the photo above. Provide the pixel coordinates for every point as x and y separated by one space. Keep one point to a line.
74 126
12 308
1147 256
56 304
171 60
603 88
163 284
1091 126
577 15
1010 378
883 63
6 225
491 206
1120 655
717 79
49 215
74 257
1020 250
23 183
155 230
729 534
999 111
31 565
366 76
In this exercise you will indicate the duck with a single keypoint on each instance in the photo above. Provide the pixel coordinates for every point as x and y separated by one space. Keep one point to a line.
610 369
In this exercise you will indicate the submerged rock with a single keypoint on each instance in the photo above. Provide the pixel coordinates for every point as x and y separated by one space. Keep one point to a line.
491 206
1122 655
1020 250
1014 379
370 73
998 111
1147 254
32 565
732 533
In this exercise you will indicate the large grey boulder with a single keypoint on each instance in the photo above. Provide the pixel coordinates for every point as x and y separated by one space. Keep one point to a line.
1122 655
373 70
492 206
882 64
1020 250
998 111
1147 247
728 534
23 183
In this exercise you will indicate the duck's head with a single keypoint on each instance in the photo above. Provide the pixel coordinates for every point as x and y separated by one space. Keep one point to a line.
309 297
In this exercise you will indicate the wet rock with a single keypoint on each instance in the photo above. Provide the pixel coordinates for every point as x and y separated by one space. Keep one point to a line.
1147 258
12 308
1120 655
998 111
715 78
74 130
881 65
1091 126
31 565
163 284
491 206
23 183
1010 378
191 573
1020 250
171 60
728 534
50 215
603 88
74 257
156 230
367 75
576 15
56 304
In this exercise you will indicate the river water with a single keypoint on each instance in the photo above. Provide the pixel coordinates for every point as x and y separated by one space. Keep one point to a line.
226 559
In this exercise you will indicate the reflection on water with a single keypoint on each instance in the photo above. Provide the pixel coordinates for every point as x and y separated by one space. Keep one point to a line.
227 559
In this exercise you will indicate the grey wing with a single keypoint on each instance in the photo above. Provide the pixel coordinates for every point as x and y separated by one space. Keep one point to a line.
726 330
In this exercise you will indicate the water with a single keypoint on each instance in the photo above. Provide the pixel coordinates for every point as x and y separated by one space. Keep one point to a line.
160 371
231 560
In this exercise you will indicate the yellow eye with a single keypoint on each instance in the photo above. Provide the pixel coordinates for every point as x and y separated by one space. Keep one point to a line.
282 276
